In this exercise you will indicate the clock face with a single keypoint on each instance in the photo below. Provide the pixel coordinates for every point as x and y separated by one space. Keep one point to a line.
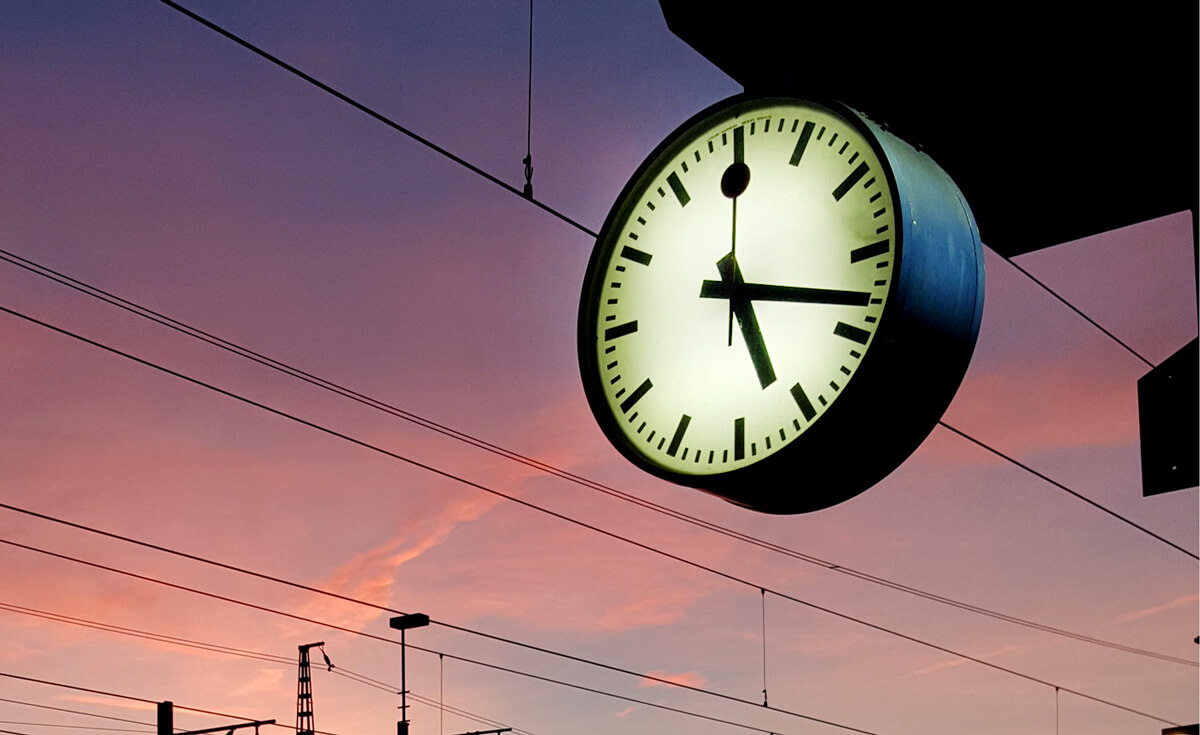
738 286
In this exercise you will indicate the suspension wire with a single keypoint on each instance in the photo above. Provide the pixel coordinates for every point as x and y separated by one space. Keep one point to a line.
1073 308
532 506
764 642
450 626
76 712
528 190
218 648
495 667
131 698
296 373
390 123
377 115
1066 489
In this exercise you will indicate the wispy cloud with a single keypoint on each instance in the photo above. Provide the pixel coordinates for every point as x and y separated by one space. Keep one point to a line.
1147 612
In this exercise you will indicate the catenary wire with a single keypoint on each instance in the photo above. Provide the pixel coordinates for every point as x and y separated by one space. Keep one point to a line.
530 505
131 698
247 353
1066 489
475 169
73 727
223 649
396 126
377 115
351 631
526 645
76 712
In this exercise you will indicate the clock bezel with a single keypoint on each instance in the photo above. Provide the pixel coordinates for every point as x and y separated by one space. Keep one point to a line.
827 428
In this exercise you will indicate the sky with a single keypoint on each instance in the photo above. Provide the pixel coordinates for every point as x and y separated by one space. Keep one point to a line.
144 154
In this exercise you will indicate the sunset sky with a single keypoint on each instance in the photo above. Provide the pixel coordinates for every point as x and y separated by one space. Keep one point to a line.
144 154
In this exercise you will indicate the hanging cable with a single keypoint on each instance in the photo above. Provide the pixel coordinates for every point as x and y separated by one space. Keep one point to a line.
528 190
539 649
764 643
378 116
1068 490
296 373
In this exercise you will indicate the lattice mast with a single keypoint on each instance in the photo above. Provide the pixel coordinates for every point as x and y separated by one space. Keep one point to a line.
304 700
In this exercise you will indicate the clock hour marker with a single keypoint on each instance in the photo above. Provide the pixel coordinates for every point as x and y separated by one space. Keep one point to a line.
620 330
801 144
739 144
802 401
851 332
677 187
636 395
684 420
868 251
739 439
637 256
850 181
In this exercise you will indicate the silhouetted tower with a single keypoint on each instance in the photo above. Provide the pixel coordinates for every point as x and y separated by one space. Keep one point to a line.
304 703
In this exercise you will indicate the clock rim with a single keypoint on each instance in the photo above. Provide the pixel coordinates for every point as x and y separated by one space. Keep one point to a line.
730 484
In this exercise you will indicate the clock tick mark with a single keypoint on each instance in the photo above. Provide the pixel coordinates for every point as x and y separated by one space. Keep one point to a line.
641 221
822 400
682 457
842 150
796 424
711 454
637 256
834 385
650 206
881 283
651 437
877 195
876 301
855 354
805 405
724 456
619 393
832 140
608 350
753 449
845 370
610 318
677 439
767 439
801 144
683 165
881 230
853 158
620 269
611 302
869 319
820 132
752 127
636 396
782 435
641 426
710 146
882 264
661 193
869 183
620 330
852 333
697 154
780 128
858 255
611 365
677 189
850 181
879 213
615 380
661 442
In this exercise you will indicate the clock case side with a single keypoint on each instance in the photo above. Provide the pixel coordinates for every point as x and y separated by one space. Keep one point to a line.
915 363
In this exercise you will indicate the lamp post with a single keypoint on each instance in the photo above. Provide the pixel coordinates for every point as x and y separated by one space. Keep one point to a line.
403 623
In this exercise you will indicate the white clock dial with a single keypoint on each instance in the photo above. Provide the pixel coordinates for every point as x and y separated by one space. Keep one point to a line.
739 286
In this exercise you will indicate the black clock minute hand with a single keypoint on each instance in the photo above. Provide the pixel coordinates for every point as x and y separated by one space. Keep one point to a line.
770 292
732 284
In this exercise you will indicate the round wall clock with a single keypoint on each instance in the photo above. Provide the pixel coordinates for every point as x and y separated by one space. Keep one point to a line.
780 305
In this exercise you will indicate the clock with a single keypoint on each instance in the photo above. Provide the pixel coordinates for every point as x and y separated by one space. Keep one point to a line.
780 304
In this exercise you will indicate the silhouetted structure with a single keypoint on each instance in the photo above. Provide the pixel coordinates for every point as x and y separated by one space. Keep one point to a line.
304 701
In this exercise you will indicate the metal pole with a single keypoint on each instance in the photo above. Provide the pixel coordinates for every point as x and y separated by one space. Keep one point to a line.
403 729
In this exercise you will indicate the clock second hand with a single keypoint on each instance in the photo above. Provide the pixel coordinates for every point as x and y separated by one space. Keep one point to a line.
733 182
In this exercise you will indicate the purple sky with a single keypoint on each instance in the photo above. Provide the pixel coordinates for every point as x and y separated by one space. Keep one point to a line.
144 154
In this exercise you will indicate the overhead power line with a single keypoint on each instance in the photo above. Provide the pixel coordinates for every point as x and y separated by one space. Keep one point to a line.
501 639
475 169
341 670
475 662
319 382
377 115
131 698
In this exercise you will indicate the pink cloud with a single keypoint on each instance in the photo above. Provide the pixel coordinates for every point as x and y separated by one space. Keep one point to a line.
1156 609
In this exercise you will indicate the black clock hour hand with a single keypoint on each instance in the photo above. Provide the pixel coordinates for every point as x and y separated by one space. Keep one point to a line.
796 294
742 309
